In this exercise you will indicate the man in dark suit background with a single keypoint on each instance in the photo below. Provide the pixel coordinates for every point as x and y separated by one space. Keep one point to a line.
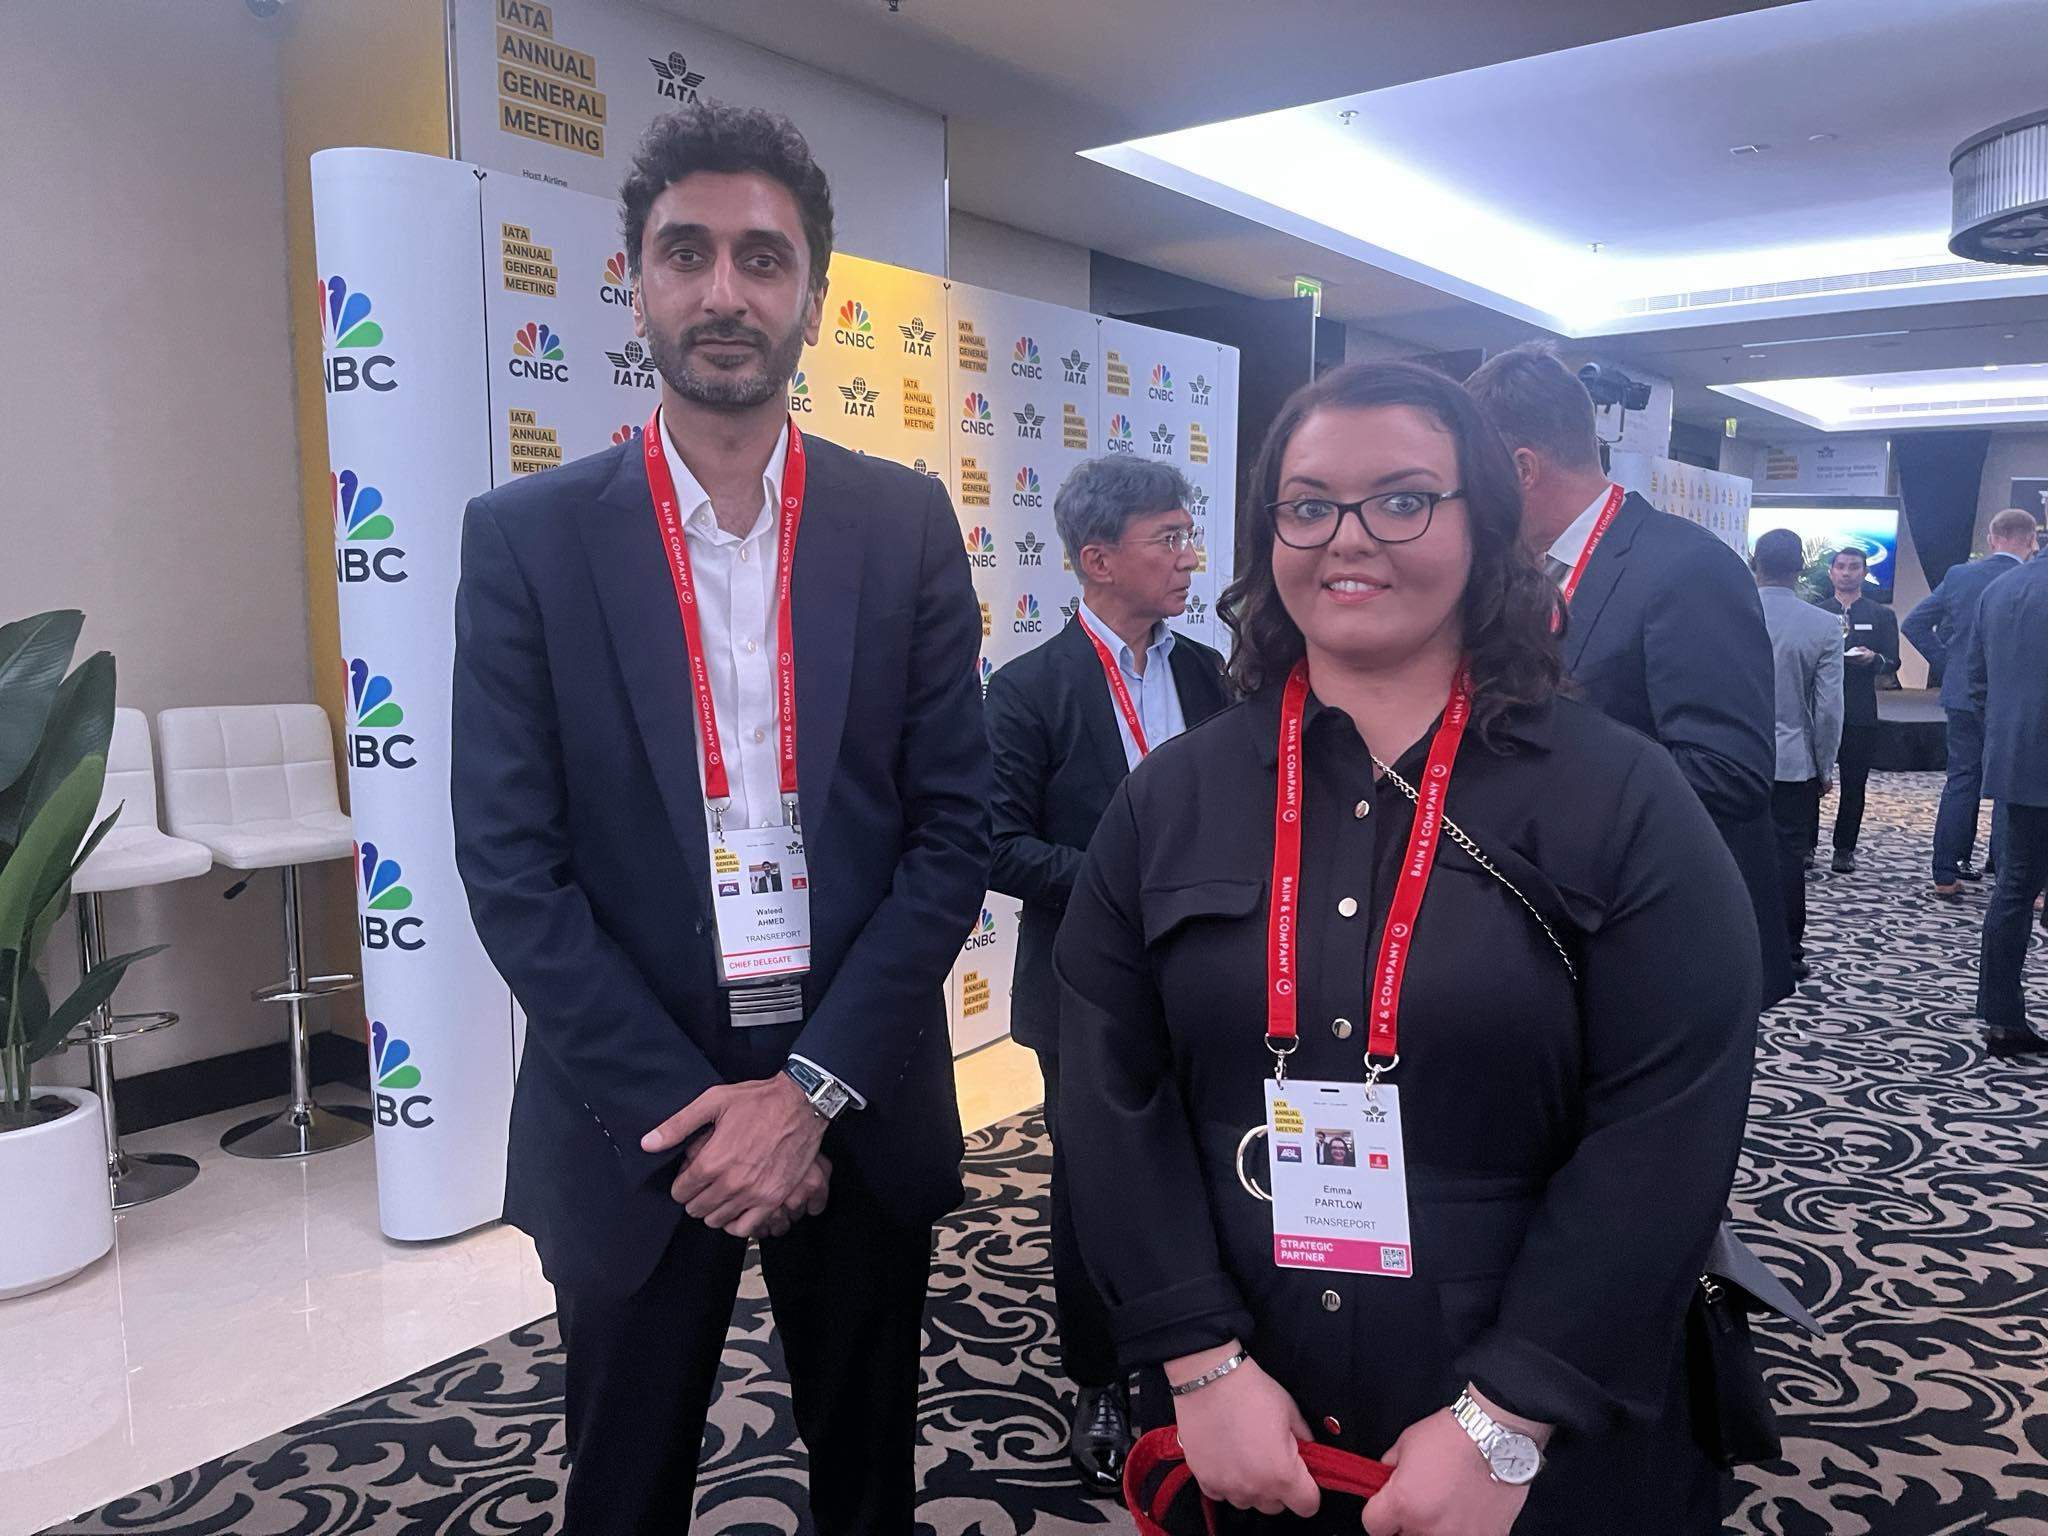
2005 676
664 1113
1870 649
1066 722
1665 632
1940 626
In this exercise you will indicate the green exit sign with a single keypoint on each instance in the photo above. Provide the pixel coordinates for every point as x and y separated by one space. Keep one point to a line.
1310 288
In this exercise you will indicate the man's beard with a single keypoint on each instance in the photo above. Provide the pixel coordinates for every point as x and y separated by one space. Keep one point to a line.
719 389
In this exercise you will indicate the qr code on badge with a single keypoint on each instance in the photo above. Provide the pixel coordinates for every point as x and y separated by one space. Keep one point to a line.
1394 1258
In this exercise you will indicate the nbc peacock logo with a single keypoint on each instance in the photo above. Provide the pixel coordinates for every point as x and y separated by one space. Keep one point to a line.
1161 387
632 367
1120 434
800 394
359 523
984 671
373 739
1028 492
625 434
382 895
346 332
855 329
537 354
975 416
613 289
393 1077
984 933
981 547
1027 620
1024 361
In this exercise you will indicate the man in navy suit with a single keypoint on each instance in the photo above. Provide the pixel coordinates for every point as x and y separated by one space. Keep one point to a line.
1666 632
724 644
1940 626
2006 682
1067 721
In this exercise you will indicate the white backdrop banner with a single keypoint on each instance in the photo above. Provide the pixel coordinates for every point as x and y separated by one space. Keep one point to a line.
1718 502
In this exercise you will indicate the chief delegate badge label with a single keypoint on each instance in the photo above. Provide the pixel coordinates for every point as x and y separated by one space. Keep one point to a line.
761 896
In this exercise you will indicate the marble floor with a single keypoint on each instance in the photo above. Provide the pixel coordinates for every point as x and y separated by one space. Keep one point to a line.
257 1297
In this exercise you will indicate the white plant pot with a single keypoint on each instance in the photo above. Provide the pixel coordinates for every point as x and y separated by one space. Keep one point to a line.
56 1210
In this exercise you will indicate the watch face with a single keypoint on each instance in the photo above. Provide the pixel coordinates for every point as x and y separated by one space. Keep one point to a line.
1515 1458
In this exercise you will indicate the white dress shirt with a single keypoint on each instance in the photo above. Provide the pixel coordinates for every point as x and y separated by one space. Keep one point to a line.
1152 693
1571 543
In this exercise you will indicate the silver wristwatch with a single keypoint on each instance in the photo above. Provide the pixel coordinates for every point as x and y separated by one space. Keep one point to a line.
826 1095
1511 1456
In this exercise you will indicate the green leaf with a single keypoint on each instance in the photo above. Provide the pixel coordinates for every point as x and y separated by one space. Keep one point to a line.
40 865
35 653
80 723
96 988
40 1036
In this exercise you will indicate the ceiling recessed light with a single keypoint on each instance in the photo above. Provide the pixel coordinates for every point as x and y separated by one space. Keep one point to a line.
1747 149
1347 115
2008 335
1756 356
1822 138
1991 367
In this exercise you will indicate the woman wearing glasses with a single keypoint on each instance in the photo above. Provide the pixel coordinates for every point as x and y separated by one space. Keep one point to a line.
1526 1010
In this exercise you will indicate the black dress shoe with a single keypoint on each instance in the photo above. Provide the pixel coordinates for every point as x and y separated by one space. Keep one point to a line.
1102 1438
1801 971
2021 1043
1844 862
1968 871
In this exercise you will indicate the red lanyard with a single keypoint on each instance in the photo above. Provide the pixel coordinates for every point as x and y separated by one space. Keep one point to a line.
1615 496
1383 1038
717 787
1117 690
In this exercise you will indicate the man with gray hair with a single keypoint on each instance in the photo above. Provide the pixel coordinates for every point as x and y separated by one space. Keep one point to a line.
1067 721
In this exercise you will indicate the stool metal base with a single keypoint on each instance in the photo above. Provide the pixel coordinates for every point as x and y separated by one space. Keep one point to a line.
140 1177
298 1131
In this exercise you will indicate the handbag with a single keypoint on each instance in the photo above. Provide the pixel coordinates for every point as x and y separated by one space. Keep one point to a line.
1157 1476
1733 1422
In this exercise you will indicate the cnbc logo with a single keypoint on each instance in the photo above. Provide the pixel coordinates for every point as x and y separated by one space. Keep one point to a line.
860 400
393 1076
1119 438
537 354
800 393
632 367
1029 422
1027 621
613 289
359 523
984 671
917 337
674 78
347 333
1161 387
1198 391
981 548
1162 439
1075 367
373 709
1030 549
975 416
855 329
1024 361
382 897
1027 493
984 933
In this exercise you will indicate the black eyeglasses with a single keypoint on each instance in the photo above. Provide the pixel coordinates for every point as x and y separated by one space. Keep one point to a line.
1396 517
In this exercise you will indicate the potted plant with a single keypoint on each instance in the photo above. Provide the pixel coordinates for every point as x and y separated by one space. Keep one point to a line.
55 723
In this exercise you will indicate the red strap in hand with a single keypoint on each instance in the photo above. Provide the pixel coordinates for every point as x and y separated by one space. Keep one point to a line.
1334 1471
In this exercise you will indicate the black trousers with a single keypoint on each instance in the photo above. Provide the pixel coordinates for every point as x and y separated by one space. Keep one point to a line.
1795 807
2009 917
1859 745
1087 1347
848 1291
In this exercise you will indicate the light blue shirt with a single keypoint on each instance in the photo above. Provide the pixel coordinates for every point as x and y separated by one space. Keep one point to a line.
1153 693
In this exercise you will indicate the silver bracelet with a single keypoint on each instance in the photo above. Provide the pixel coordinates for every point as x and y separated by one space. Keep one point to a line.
1210 1378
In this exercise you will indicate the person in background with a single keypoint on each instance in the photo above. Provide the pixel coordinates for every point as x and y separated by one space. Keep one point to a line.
1666 631
1806 647
1066 722
2006 679
1870 650
1940 626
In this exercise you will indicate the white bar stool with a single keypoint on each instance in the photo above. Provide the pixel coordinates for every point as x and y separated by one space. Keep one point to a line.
255 784
133 855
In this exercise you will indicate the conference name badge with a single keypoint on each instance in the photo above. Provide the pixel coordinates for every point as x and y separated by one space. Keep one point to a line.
761 896
1339 1178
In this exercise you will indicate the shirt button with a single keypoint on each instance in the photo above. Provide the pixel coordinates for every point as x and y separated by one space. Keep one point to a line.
1341 1028
1331 1427
1362 809
760 734
753 646
743 553
1348 907
1332 1301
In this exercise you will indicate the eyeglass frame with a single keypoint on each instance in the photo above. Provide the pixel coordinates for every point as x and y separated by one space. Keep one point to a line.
1357 510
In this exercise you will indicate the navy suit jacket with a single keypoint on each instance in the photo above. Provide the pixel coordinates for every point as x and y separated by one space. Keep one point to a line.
1059 758
579 834
1939 625
1667 635
2006 681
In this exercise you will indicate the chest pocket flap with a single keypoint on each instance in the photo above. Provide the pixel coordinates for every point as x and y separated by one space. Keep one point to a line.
1168 908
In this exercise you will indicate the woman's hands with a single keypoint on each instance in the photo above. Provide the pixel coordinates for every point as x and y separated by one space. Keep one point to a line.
1242 1435
1442 1486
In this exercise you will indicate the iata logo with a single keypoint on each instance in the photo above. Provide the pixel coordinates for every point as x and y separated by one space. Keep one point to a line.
674 78
1027 493
855 329
984 933
1029 422
860 400
984 671
981 550
346 332
1075 367
537 354
1119 438
800 394
1070 610
1198 503
1027 621
624 434
1030 549
361 524
1162 439
917 338
393 1076
975 416
613 289
1024 361
632 368
1198 391
1161 387
372 708
1198 611
382 895
923 468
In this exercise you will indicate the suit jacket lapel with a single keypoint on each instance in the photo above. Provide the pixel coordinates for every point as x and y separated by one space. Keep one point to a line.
825 593
1098 709
1603 574
1200 690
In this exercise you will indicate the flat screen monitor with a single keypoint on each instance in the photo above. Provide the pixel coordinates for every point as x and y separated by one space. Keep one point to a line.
1826 524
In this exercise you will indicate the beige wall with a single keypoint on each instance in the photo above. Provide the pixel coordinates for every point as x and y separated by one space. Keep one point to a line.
150 473
1009 260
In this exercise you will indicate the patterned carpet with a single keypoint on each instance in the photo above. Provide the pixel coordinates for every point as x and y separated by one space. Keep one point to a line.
1895 1175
